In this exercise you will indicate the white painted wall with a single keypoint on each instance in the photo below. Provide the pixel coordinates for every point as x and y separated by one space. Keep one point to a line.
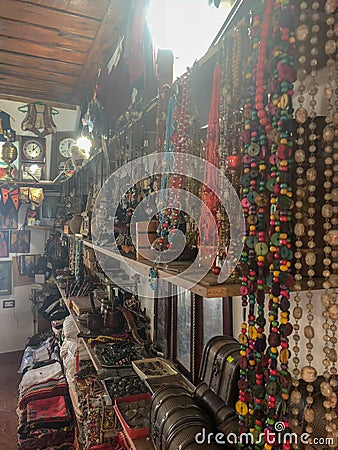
16 324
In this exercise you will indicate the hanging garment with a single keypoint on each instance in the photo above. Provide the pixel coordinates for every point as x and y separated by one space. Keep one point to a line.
39 117
113 91
5 125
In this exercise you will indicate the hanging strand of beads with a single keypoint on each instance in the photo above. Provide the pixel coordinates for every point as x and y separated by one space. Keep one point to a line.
181 144
329 297
208 240
309 372
245 401
254 202
172 184
301 115
281 203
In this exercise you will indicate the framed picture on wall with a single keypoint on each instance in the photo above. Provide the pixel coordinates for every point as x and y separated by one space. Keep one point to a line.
26 264
8 216
20 241
23 269
5 277
4 244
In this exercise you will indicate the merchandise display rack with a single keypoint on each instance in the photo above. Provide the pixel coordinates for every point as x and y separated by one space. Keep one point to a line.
141 443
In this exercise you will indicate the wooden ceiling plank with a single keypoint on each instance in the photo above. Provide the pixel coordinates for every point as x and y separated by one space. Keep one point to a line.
24 61
43 35
41 15
35 84
108 36
24 80
22 99
38 73
56 97
42 51
87 8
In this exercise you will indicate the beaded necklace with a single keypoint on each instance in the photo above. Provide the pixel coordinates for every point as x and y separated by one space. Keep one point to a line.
301 116
278 377
254 201
177 140
181 144
211 155
329 297
309 372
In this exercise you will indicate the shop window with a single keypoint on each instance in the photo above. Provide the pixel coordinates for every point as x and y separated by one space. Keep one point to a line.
183 324
213 318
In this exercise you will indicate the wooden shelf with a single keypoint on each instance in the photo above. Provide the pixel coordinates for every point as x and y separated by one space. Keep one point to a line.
39 227
27 182
207 287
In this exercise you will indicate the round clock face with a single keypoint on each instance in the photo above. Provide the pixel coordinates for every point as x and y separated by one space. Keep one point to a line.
32 150
65 145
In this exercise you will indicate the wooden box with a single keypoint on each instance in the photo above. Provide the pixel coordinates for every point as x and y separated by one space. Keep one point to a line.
89 259
145 231
85 228
153 368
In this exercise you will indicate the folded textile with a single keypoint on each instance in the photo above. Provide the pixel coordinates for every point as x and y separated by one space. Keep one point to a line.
45 349
33 376
44 438
48 410
47 389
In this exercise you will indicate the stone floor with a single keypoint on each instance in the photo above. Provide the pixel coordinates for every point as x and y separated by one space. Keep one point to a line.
9 381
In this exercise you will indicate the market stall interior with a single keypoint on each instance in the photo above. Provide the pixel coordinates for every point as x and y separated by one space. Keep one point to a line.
169 243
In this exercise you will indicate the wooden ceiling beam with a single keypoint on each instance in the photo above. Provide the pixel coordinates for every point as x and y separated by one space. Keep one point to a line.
45 85
23 99
41 15
43 35
47 65
49 51
36 94
36 73
87 8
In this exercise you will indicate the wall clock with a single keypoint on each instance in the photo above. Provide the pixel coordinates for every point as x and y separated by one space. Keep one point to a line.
65 145
62 142
32 149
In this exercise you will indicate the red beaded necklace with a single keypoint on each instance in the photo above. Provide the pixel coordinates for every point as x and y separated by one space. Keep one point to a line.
211 155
